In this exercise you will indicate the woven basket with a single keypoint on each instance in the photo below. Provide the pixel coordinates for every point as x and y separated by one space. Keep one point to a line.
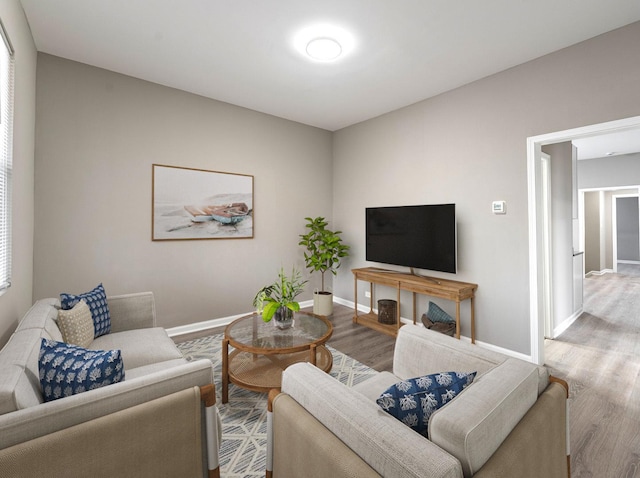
387 311
442 327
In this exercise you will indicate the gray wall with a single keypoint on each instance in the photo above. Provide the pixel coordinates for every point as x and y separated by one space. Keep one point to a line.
615 171
98 134
468 146
592 233
15 302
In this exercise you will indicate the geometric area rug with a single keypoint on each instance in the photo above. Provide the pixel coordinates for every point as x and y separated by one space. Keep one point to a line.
244 417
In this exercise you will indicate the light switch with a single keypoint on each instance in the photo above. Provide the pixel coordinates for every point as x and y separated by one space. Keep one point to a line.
499 207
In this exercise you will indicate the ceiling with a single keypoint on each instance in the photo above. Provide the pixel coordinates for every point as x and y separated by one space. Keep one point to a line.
608 145
241 51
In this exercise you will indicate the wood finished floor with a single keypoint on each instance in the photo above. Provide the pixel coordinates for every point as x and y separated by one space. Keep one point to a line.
599 355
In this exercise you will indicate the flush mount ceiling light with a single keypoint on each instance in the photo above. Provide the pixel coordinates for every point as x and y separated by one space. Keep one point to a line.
324 49
323 43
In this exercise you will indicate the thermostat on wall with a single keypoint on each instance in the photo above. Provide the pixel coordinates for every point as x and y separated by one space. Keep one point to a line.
499 207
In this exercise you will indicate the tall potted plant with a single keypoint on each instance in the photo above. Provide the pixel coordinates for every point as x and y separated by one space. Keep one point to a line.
277 300
324 251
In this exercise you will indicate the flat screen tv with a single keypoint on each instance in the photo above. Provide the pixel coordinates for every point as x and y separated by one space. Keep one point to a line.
421 237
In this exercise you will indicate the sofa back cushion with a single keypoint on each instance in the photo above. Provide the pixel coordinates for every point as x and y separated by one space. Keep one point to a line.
475 424
43 315
420 351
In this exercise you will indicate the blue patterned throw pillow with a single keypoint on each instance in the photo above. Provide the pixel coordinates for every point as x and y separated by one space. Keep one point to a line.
436 314
97 302
413 401
67 369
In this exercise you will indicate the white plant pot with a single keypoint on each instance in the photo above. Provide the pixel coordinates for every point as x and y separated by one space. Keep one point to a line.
322 303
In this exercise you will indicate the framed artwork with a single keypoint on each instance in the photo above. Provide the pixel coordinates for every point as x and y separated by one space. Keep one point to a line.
199 204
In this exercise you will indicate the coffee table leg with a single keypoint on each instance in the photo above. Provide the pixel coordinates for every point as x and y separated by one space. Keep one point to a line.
312 354
225 370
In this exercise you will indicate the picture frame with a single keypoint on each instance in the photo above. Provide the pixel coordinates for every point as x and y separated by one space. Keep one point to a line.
197 204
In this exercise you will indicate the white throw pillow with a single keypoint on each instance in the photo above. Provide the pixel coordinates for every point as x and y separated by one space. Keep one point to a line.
76 325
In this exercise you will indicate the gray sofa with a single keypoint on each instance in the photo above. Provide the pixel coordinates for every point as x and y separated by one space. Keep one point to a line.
160 421
510 422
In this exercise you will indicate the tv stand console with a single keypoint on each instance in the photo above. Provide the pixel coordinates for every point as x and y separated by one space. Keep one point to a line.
431 286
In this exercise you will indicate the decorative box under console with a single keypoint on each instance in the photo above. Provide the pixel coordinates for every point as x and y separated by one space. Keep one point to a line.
431 286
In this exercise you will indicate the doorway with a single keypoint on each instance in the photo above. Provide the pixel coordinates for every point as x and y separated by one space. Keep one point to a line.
539 261
625 217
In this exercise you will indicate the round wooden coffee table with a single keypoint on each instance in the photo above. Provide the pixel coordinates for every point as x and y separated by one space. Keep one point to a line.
262 351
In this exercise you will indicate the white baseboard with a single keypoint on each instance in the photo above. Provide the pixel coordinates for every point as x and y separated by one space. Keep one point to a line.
566 323
209 324
599 273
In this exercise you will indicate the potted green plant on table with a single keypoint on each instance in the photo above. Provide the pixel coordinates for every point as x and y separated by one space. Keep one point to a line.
277 300
324 251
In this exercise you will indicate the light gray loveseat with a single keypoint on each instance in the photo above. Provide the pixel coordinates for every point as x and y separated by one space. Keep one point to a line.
510 422
160 421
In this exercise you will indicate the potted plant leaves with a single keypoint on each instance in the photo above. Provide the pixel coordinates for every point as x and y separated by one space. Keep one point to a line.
277 300
324 251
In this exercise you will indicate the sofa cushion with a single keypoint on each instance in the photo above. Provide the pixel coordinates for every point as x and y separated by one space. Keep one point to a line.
67 369
76 325
413 401
140 346
373 387
144 370
97 302
475 424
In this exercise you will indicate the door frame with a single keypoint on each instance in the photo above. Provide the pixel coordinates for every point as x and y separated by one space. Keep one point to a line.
536 252
547 248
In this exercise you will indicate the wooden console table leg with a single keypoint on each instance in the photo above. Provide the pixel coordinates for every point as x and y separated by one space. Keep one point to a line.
370 297
414 308
458 319
473 320
398 322
225 370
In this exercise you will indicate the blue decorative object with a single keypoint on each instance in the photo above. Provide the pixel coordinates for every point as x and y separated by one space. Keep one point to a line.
67 369
436 314
97 302
413 401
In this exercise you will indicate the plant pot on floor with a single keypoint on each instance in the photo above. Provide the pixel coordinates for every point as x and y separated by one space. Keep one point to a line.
322 303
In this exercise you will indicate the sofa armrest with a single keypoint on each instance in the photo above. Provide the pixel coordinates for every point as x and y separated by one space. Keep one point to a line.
132 311
536 446
384 443
162 437
473 425
296 432
46 418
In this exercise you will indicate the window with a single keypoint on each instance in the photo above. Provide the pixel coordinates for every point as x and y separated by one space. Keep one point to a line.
6 156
